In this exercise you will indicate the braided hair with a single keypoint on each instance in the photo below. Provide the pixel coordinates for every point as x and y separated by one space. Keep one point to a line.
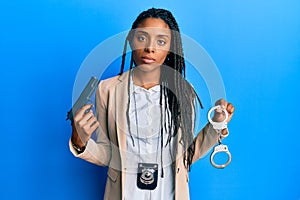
180 94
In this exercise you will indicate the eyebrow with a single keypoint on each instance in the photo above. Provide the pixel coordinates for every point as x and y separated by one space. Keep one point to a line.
159 35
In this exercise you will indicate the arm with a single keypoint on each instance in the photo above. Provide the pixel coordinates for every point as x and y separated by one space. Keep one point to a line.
204 141
99 151
208 136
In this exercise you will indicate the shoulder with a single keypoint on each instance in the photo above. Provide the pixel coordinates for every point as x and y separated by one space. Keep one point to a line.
111 83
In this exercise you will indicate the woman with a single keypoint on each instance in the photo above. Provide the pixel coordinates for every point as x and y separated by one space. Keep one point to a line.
145 117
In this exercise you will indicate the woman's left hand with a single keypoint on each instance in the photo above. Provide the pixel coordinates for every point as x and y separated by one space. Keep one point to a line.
220 116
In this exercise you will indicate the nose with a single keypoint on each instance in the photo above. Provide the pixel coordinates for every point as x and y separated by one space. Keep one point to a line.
150 47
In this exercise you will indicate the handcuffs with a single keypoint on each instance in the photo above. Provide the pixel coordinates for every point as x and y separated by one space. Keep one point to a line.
220 148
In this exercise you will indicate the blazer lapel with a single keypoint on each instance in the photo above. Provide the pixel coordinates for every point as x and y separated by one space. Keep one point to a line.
121 121
121 107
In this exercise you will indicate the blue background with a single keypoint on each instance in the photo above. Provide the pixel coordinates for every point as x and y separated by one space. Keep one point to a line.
255 44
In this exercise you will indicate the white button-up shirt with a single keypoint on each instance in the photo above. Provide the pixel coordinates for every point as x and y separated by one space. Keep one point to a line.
145 125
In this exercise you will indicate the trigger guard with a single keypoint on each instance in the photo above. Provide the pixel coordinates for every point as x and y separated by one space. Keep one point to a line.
221 148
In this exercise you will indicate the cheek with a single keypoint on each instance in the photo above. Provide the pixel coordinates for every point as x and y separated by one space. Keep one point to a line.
163 56
135 56
135 45
164 52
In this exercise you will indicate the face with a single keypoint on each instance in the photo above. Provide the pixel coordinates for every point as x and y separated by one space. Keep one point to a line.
151 44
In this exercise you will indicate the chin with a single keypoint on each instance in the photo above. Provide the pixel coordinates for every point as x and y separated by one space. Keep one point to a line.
148 67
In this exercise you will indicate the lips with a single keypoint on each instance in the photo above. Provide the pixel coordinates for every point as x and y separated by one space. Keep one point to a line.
148 60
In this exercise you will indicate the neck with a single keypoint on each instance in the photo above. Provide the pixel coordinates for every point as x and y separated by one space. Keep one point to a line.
146 79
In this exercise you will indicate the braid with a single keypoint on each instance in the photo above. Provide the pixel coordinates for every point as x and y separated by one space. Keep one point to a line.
123 57
181 96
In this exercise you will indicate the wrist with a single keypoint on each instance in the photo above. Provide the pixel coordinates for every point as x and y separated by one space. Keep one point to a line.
79 149
76 139
78 142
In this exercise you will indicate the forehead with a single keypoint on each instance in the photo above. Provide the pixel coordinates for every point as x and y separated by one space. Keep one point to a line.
154 26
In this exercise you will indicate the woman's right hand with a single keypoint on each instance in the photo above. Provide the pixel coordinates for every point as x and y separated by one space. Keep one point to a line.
85 123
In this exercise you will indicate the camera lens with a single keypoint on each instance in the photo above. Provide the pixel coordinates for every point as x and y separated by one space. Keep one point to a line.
147 175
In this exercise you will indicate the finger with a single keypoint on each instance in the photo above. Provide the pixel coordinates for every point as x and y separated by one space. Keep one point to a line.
94 125
225 132
84 120
91 121
230 108
91 126
82 111
219 116
223 103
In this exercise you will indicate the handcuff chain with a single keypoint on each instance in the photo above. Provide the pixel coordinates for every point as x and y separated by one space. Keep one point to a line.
220 137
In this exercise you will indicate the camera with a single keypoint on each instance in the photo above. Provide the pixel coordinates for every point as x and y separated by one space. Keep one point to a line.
147 176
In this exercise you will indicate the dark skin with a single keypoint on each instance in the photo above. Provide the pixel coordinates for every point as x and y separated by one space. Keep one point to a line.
151 45
83 126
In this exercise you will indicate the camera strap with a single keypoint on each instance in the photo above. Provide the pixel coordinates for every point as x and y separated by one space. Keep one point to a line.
147 173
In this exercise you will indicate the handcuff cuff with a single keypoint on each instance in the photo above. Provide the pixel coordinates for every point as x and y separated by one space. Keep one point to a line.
220 148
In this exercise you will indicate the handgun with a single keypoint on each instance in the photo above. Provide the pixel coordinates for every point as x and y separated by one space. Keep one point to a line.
83 98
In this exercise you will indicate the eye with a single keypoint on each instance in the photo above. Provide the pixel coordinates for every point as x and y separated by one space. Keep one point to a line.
141 38
161 42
